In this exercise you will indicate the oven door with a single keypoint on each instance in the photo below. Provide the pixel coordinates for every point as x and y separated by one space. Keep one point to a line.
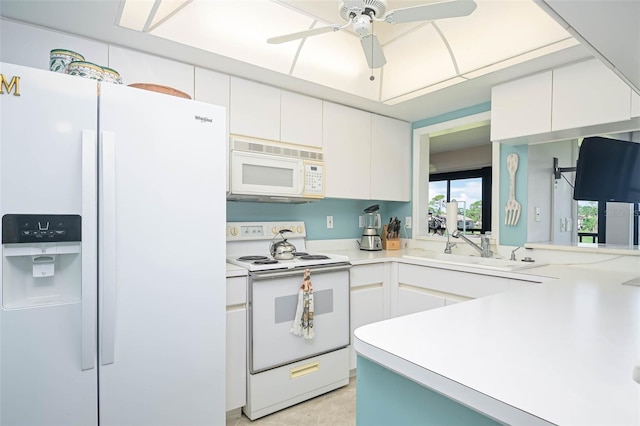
273 299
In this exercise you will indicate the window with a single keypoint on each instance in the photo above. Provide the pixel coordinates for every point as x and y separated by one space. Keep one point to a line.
593 217
588 221
471 189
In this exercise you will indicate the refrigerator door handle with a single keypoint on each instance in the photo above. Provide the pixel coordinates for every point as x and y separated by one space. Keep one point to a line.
89 285
107 258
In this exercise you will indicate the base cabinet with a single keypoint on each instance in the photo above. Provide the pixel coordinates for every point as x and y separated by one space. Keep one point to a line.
412 299
367 298
236 368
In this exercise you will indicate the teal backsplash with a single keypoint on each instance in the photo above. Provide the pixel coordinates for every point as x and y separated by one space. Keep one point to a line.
345 215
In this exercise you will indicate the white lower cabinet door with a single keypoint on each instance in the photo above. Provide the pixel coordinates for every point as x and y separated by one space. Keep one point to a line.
236 357
415 299
367 306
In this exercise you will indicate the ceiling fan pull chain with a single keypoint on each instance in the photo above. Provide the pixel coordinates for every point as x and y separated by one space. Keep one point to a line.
372 76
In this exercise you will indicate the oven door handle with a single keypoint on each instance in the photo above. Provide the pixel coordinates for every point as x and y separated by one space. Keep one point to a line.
298 271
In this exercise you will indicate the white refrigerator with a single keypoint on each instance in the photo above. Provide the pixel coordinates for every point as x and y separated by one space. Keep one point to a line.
113 276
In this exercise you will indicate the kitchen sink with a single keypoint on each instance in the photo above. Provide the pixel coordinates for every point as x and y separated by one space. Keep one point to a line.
475 261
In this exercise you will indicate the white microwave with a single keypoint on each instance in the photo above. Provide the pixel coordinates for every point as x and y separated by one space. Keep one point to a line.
261 171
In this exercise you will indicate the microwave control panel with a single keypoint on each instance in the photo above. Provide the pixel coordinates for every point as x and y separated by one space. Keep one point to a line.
313 179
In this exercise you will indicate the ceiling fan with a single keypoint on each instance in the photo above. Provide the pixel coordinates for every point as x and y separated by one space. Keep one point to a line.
361 13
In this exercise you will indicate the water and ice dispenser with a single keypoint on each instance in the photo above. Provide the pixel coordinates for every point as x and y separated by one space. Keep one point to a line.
41 260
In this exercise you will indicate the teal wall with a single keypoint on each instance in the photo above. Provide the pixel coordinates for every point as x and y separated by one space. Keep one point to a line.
386 398
514 235
345 215
476 109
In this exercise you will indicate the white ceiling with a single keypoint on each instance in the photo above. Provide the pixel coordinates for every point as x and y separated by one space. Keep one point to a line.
230 36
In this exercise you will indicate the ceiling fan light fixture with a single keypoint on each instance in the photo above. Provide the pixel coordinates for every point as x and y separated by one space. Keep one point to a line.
362 25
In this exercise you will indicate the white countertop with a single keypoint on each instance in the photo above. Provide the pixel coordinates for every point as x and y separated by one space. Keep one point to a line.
236 271
561 352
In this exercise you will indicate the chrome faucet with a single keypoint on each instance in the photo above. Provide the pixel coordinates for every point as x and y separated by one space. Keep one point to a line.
484 248
513 253
449 246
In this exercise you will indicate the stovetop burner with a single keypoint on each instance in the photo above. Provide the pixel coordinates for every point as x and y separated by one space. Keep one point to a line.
300 253
265 262
248 258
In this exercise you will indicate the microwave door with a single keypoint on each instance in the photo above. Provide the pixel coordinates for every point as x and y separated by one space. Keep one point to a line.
257 174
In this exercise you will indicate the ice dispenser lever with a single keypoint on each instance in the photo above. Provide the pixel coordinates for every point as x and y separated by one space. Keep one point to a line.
43 266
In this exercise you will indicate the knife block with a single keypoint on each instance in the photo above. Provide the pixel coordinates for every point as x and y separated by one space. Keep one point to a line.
389 243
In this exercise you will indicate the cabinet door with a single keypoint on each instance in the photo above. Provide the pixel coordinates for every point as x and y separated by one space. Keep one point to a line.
390 159
346 139
450 282
367 302
236 367
367 306
254 110
416 299
588 93
137 67
521 107
301 119
213 88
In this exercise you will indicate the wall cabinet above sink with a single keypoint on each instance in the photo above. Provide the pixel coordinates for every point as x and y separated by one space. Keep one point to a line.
368 156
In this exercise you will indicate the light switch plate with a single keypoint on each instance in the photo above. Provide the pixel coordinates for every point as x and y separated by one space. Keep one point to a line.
329 222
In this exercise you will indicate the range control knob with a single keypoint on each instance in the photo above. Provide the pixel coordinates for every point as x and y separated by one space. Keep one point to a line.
233 231
274 230
300 229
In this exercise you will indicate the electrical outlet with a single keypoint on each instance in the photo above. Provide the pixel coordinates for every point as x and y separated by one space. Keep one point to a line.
360 221
407 222
329 222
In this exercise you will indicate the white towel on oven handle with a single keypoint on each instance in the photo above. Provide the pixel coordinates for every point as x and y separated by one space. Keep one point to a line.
303 320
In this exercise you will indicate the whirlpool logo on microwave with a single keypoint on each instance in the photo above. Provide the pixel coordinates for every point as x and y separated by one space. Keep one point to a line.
12 85
203 119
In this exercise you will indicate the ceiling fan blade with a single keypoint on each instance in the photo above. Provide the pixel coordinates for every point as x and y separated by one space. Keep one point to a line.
373 51
431 11
303 34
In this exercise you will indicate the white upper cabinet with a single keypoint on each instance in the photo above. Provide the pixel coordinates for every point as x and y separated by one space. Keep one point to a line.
213 88
301 119
137 67
588 93
521 107
30 46
346 135
390 159
254 110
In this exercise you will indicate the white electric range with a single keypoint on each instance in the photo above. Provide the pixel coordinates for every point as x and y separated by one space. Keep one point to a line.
285 369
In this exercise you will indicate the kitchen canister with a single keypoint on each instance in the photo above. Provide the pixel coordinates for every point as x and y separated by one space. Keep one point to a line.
86 70
59 59
111 76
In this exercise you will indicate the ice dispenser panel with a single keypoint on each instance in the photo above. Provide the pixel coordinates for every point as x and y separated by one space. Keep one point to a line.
41 262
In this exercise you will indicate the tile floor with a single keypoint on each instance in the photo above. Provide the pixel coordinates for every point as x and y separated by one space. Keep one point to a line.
336 408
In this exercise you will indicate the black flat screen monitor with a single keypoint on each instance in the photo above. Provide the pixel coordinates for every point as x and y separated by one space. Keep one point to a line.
608 170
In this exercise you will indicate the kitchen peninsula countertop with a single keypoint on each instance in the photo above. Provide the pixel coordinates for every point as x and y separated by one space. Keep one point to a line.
559 352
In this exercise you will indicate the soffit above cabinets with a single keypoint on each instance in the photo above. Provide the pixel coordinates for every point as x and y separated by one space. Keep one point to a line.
433 68
421 57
